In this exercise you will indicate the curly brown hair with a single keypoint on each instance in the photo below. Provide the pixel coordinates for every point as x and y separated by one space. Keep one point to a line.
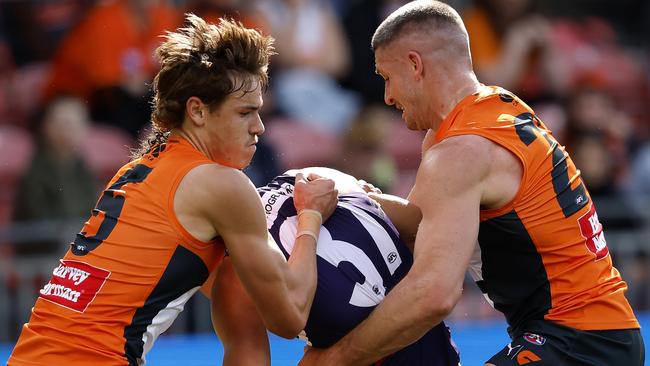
209 61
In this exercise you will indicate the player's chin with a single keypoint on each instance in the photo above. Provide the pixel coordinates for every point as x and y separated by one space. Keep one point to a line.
244 162
410 123
415 124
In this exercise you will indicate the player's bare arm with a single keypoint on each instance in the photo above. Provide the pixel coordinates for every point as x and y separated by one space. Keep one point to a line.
453 180
237 322
405 215
229 207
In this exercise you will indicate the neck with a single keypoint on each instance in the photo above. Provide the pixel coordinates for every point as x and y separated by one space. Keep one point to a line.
460 88
192 138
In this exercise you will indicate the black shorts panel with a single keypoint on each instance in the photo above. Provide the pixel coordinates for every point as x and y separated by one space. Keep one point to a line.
547 344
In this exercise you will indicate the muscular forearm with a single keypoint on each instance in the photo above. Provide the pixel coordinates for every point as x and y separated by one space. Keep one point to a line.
301 274
302 262
302 281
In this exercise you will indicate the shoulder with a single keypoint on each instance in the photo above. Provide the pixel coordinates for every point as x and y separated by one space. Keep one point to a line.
215 175
454 165
210 184
469 164
220 198
459 153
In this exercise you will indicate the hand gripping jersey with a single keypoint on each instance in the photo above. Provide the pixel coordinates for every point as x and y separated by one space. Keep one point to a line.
544 254
360 259
128 273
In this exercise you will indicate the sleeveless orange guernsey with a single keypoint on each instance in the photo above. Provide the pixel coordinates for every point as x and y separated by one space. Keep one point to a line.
128 273
544 254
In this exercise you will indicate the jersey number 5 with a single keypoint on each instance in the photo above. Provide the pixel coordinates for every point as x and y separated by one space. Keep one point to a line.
106 212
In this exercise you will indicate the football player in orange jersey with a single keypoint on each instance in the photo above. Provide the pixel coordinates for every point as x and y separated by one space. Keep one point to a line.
491 171
165 220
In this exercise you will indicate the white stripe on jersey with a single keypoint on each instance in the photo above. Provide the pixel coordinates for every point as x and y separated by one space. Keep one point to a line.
288 231
372 291
368 294
379 235
162 321
475 269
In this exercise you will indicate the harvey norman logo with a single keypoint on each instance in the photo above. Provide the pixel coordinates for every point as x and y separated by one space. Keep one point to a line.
74 284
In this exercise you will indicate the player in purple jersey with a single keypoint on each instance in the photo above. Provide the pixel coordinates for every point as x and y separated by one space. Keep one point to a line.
364 249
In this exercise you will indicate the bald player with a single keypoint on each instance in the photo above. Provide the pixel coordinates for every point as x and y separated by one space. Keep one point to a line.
491 171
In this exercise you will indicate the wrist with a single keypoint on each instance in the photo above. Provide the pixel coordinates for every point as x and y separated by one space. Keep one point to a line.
309 223
307 233
309 211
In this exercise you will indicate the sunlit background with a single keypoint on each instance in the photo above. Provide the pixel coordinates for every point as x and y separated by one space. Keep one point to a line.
74 98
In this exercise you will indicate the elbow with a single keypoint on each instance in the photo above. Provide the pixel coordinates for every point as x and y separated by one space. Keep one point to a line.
287 331
438 305
290 326
439 310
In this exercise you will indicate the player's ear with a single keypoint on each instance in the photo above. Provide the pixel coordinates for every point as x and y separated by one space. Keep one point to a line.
415 64
195 110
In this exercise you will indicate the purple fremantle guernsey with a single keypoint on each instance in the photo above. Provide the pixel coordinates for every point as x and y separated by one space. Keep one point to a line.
360 259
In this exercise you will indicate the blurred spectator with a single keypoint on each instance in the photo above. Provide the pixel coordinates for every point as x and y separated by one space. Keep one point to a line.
596 165
599 135
365 154
591 54
7 69
592 110
108 57
58 185
637 188
361 19
629 17
35 28
312 54
511 46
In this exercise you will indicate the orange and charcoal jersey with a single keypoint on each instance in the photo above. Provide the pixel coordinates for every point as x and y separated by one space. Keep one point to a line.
128 273
543 255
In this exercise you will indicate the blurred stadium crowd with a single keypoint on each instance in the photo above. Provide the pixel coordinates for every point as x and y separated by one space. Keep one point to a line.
74 97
